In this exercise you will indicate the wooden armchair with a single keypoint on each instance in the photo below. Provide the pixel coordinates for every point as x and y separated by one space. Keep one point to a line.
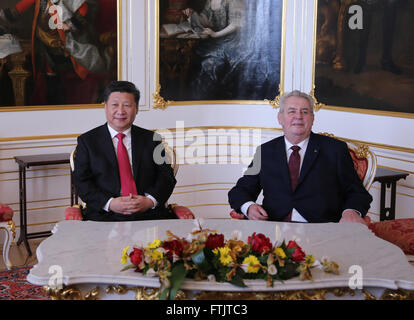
75 211
7 224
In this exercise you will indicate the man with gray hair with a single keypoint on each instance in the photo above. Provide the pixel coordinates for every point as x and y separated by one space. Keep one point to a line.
305 177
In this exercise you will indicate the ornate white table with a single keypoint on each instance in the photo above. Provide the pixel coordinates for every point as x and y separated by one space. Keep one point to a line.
84 258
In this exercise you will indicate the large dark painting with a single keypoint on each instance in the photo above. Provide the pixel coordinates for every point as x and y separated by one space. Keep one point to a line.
61 52
211 50
369 68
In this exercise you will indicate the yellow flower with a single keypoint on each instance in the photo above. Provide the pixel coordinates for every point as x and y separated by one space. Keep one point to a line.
157 255
155 244
225 257
253 264
280 253
124 259
309 260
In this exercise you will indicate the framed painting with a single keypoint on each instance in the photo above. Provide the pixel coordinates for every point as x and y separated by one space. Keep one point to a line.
57 54
364 56
218 51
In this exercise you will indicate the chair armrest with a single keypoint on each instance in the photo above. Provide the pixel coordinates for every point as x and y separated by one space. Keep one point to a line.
73 213
182 212
236 215
6 213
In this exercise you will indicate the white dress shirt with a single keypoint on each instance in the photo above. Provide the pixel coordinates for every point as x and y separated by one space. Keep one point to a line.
127 144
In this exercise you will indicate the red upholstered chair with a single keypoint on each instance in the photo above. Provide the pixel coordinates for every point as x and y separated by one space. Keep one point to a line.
7 224
365 164
75 212
399 232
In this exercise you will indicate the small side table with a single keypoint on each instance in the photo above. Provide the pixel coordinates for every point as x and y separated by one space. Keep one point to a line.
388 179
26 162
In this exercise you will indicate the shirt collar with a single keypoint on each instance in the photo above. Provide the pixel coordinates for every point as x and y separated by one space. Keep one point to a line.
303 144
113 132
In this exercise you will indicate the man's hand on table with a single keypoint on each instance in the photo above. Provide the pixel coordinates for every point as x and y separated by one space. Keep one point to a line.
350 215
256 212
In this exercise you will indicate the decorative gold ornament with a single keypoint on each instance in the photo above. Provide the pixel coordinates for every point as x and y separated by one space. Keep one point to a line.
12 228
318 106
362 151
144 293
70 293
399 294
158 100
276 102
368 295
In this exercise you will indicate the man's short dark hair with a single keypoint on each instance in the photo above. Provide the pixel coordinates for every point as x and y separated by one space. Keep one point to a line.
121 86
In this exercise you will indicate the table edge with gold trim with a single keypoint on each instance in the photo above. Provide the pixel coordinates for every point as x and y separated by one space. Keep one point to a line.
96 271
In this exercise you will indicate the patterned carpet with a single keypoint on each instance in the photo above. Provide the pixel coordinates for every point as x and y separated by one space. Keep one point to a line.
13 286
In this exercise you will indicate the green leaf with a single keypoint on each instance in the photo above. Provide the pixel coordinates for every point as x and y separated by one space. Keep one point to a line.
238 280
130 266
163 295
263 259
177 277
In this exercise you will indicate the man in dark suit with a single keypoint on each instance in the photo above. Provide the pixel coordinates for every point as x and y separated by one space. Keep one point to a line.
138 187
305 177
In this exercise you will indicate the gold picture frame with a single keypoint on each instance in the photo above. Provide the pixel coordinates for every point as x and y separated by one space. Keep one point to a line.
20 63
342 82
160 101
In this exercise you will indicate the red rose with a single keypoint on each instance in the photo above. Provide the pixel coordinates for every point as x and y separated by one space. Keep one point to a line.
173 246
215 241
298 255
136 257
259 243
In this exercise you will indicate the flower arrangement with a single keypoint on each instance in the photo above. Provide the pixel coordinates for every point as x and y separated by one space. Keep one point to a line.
206 255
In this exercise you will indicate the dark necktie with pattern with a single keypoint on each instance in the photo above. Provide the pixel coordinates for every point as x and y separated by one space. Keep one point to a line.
294 165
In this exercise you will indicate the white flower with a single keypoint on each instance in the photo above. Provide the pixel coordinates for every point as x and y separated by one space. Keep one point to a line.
236 235
272 270
211 278
321 263
317 264
199 223
175 258
245 267
190 238
151 273
162 250
324 260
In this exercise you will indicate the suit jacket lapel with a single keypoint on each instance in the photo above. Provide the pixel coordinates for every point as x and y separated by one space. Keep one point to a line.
109 152
137 151
312 152
281 161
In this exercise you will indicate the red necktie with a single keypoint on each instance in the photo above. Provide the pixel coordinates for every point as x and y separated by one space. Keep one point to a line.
294 165
127 181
